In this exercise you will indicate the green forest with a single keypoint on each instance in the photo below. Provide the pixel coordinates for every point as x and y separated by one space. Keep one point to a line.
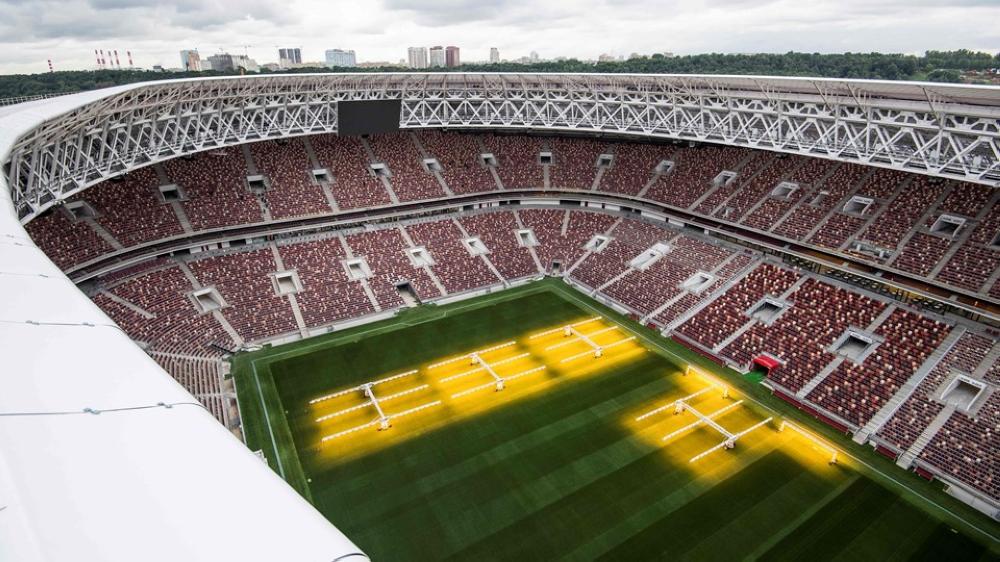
935 66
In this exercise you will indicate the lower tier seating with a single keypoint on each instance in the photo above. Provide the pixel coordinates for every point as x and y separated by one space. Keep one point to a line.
154 304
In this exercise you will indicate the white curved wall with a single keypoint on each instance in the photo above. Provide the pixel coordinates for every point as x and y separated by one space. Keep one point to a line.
152 476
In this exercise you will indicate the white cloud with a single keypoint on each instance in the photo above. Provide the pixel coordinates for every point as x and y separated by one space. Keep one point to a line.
68 30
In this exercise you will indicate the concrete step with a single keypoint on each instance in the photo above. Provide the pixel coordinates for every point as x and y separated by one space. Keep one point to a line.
820 377
181 216
103 233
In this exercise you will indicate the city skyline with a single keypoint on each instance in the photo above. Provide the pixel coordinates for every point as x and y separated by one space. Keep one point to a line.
68 31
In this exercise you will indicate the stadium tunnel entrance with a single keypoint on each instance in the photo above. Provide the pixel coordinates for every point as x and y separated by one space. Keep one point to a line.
764 365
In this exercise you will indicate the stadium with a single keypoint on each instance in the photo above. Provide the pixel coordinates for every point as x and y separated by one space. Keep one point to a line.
470 316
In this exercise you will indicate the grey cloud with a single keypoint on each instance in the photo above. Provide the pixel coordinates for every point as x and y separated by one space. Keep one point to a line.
91 19
440 13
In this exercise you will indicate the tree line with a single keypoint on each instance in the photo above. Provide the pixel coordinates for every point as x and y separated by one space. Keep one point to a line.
935 66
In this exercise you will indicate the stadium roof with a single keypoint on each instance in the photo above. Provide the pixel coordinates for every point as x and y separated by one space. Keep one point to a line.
61 145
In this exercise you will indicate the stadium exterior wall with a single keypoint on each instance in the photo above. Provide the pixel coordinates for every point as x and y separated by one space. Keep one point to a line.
105 456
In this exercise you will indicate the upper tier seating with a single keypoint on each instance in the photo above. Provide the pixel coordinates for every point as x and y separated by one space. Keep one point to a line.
632 167
574 163
902 214
517 160
65 241
292 190
828 195
215 187
460 158
410 179
966 199
739 205
693 173
355 185
131 210
922 253
753 162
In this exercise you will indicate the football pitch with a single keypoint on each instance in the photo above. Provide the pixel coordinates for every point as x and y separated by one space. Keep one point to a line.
500 435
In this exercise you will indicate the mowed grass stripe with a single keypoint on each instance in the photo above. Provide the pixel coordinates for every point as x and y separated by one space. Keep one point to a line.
899 519
846 527
944 543
679 531
841 519
792 525
741 531
520 456
607 511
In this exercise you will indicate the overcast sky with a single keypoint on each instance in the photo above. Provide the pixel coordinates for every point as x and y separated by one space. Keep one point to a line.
68 31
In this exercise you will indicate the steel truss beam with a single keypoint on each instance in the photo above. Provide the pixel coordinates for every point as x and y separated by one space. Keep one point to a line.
947 131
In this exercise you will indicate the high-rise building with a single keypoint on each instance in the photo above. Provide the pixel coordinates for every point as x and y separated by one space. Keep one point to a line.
437 56
289 57
191 60
533 57
494 55
451 56
341 57
417 57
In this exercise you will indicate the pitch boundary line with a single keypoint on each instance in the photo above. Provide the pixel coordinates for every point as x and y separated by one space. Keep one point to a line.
442 314
661 347
267 420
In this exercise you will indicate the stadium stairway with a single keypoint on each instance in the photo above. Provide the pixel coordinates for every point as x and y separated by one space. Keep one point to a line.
991 359
925 438
832 366
680 320
909 387
324 184
531 249
293 301
753 321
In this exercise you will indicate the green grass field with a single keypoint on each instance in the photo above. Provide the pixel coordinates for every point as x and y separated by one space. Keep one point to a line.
557 474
